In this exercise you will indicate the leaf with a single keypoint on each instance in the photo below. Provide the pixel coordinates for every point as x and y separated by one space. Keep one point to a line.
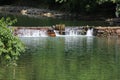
7 57
0 53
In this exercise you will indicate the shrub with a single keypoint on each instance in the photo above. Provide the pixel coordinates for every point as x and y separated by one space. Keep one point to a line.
11 47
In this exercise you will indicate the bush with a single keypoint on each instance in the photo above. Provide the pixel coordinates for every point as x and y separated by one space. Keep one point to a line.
11 47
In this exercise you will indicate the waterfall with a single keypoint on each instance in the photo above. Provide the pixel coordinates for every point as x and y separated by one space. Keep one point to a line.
89 32
73 31
44 32
31 33
56 32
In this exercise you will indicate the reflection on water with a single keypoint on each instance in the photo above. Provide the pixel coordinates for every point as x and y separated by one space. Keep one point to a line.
67 58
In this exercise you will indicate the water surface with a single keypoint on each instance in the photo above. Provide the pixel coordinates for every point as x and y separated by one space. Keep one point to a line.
67 58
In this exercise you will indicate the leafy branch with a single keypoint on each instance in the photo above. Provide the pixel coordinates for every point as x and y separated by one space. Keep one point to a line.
11 47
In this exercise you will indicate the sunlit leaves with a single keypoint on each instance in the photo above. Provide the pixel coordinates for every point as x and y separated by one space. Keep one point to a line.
98 1
10 46
60 1
102 1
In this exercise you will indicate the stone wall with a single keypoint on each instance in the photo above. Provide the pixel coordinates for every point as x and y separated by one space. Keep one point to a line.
106 31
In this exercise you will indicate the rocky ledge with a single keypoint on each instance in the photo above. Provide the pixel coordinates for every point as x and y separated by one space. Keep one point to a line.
107 31
31 11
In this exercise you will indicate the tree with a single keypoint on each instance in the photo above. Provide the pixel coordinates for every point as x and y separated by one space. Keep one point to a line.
117 2
99 1
86 6
11 46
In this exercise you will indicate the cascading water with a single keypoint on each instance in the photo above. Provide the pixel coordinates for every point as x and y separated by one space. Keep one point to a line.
56 32
24 32
89 32
44 32
70 31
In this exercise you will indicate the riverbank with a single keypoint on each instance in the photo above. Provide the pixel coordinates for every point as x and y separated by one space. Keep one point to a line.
30 16
42 12
30 11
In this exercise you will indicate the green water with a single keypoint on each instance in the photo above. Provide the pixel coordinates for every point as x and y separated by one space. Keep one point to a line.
67 58
23 20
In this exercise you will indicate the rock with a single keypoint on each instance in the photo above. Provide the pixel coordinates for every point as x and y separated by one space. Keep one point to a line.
24 12
48 14
118 32
113 21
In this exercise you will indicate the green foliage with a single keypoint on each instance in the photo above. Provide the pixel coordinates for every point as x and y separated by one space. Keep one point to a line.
10 46
98 1
102 1
73 6
60 1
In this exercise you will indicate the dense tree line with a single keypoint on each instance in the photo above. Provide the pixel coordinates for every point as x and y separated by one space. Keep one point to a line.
74 6
90 6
